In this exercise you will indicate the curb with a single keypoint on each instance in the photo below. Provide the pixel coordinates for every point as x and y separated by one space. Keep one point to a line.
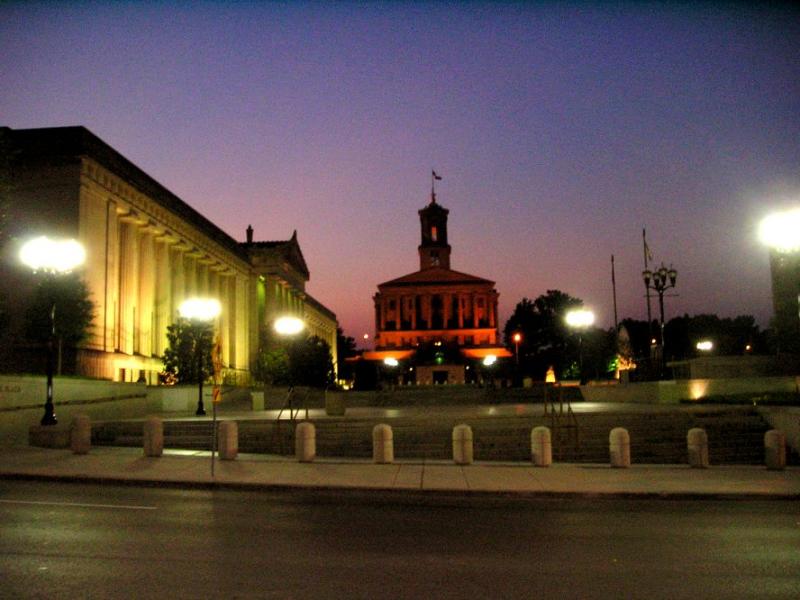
328 493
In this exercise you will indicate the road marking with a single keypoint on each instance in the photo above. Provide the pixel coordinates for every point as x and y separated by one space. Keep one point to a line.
78 504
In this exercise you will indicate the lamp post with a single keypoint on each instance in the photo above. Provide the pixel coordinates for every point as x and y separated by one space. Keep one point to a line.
488 363
199 312
391 365
781 233
580 319
288 327
53 257
517 339
660 281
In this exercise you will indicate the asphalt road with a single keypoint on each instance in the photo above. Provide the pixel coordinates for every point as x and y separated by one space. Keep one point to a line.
61 540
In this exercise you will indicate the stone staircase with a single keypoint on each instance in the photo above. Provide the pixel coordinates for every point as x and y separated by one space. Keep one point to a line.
735 436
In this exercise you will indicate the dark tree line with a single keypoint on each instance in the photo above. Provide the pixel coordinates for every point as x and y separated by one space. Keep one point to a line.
547 341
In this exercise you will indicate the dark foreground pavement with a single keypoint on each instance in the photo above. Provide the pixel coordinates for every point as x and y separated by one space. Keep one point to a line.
89 541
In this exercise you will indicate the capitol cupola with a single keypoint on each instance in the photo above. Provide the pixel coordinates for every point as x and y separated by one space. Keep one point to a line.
434 251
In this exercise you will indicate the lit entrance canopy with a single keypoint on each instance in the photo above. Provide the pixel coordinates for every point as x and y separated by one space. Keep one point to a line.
781 231
289 325
52 256
200 309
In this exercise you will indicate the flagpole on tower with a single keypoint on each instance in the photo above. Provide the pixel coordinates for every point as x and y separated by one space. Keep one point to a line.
434 179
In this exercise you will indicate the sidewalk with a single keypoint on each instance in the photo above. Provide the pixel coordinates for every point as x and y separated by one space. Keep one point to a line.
410 479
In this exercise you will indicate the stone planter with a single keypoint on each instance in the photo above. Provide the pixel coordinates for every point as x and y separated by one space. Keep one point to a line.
334 404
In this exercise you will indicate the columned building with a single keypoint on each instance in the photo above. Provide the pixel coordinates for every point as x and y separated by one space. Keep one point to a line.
437 306
147 251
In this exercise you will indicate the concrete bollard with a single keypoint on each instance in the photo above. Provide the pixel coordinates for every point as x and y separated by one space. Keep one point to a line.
775 449
228 440
697 445
305 442
80 435
382 444
153 437
541 447
462 444
620 448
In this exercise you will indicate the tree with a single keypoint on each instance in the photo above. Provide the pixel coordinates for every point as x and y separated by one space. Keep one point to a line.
546 339
60 304
185 339
310 362
305 361
345 348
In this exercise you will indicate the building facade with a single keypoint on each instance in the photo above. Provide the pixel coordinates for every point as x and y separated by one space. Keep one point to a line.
437 306
147 251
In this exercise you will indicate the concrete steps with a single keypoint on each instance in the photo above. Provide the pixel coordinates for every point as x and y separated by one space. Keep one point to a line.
735 436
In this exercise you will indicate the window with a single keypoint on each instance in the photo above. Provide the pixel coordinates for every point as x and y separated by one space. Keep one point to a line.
434 234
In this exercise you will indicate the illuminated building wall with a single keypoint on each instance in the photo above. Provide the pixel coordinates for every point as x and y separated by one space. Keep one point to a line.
147 251
436 303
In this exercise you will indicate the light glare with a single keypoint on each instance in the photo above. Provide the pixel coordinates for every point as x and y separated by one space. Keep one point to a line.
390 362
489 360
705 345
53 256
781 231
200 309
289 325
580 318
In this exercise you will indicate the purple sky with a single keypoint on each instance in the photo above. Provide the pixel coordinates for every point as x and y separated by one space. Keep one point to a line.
560 130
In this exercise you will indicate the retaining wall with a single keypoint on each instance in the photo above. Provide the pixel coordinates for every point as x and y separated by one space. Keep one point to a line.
673 391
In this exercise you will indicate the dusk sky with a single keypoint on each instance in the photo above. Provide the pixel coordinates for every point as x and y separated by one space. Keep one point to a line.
560 130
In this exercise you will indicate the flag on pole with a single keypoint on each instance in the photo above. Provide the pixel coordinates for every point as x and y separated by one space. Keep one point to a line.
648 255
435 176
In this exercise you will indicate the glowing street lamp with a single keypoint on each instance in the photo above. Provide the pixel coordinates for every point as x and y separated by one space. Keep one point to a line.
517 339
53 257
705 345
781 231
580 319
199 312
288 326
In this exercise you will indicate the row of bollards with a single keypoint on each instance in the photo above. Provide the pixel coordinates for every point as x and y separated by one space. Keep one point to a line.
463 451
541 446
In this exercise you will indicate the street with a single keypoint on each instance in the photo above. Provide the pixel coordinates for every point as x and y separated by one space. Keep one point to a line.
60 540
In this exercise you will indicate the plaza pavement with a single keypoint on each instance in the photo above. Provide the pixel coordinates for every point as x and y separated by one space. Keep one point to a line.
410 480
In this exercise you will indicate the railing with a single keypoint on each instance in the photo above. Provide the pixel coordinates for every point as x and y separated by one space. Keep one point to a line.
294 413
563 422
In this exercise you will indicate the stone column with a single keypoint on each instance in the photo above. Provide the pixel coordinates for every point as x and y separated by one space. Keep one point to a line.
163 295
401 310
178 292
145 315
225 319
128 285
111 305
189 277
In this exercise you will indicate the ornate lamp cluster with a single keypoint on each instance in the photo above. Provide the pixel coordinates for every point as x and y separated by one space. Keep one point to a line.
660 281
